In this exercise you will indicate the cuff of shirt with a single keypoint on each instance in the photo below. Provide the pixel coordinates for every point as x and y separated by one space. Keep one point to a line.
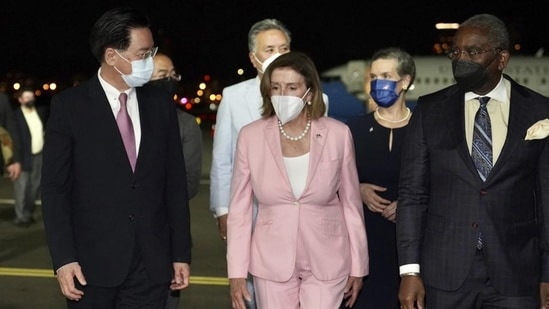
409 268
221 211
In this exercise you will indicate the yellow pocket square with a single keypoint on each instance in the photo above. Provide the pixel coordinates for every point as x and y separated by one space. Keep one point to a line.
538 130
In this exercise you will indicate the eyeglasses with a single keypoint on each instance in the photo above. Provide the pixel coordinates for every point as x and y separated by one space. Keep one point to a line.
150 53
143 55
172 76
473 53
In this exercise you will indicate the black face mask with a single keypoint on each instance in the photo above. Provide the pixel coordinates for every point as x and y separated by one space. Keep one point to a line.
29 104
469 75
166 83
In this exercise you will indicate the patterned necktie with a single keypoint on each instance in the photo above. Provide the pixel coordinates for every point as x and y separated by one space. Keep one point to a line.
482 140
126 129
482 146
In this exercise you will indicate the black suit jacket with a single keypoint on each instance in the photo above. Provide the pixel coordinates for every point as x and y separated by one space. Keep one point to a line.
95 208
443 202
25 139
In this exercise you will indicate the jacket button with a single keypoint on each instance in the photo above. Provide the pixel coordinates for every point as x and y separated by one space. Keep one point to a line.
475 225
296 204
483 192
131 217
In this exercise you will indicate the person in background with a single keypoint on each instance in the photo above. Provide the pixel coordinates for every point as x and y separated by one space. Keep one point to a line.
473 209
165 76
7 121
309 246
378 138
30 128
240 105
114 192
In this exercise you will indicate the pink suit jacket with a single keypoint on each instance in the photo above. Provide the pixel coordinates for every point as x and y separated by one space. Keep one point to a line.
328 216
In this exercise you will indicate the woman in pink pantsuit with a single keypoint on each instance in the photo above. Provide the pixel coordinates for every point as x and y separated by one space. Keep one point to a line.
308 248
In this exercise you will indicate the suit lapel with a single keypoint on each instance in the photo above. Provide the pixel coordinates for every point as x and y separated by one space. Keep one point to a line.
518 124
145 113
319 133
455 119
272 137
252 95
100 108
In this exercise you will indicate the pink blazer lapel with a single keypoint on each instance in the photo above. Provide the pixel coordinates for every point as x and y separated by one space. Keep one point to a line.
272 137
318 140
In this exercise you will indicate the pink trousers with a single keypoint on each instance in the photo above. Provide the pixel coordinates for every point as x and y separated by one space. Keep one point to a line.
302 291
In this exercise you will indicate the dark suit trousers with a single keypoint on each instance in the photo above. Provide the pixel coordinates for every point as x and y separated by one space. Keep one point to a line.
136 292
477 293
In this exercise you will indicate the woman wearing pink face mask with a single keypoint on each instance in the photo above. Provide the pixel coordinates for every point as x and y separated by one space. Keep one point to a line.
378 138
308 247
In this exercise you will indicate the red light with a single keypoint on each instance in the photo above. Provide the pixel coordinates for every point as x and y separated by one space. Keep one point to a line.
188 106
207 78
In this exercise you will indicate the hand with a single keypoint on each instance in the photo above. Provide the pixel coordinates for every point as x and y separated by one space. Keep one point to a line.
222 226
181 275
353 286
14 170
544 295
65 276
371 199
389 213
239 292
411 293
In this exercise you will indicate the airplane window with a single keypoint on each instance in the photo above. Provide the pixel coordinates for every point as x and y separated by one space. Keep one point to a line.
445 80
427 80
543 81
436 80
418 80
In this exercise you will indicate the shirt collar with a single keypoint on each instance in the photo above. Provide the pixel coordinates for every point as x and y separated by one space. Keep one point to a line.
110 91
499 93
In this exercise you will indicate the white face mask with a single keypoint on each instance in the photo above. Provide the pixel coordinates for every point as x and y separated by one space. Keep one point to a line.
287 107
267 61
142 70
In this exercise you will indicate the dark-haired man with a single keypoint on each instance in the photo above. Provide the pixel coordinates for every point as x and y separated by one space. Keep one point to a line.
114 194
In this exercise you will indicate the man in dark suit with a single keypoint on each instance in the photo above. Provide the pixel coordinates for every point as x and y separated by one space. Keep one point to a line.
114 201
164 76
30 122
480 235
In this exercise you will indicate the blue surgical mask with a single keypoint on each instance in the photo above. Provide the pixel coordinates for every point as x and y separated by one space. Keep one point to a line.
383 91
142 70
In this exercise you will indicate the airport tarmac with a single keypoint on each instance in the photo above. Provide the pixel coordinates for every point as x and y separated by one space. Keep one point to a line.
26 277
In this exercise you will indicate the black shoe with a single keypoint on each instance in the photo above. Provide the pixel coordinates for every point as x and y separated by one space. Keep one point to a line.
21 223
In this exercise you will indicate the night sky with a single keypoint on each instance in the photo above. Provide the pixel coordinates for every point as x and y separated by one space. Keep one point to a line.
50 40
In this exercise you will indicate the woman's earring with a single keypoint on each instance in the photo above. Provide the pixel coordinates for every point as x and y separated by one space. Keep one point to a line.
309 103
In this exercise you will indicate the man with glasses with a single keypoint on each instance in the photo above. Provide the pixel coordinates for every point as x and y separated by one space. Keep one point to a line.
473 212
114 195
165 76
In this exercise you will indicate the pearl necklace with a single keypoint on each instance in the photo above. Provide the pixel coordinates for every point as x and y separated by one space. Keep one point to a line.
300 136
393 121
